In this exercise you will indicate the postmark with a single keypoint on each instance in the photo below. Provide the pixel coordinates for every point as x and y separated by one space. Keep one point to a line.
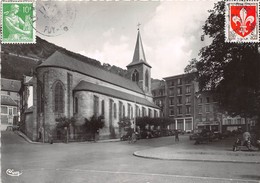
17 22
54 18
242 21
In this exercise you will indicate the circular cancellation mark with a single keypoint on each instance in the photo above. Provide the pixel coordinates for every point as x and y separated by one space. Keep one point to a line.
54 18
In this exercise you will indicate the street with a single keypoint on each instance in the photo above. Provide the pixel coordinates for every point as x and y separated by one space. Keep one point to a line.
111 162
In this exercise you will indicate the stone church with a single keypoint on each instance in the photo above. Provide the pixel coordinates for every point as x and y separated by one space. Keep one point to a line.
69 87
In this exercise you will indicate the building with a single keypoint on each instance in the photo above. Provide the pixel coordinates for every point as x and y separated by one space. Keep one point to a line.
65 86
159 95
193 110
10 102
179 103
207 115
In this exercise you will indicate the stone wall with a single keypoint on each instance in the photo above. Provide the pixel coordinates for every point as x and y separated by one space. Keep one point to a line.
50 76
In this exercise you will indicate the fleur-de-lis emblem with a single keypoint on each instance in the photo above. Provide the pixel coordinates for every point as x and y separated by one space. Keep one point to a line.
243 19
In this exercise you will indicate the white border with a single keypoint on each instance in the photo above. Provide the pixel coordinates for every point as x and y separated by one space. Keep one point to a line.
34 22
228 29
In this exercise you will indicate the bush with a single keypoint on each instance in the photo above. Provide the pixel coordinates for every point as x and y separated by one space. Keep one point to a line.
93 125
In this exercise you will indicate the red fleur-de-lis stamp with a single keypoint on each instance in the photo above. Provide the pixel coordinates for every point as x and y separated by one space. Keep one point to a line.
242 21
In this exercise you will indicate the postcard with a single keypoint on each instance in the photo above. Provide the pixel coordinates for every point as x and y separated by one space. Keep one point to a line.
130 91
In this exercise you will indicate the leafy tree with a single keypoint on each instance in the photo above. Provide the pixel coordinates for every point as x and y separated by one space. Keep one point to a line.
162 122
94 124
63 123
230 70
124 123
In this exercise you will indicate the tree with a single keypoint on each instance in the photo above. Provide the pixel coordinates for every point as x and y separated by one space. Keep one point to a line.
162 122
124 123
230 70
93 125
64 124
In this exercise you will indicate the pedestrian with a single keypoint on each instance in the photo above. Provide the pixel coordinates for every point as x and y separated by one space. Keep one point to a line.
176 136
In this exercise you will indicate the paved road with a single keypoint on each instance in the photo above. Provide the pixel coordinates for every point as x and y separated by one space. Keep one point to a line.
111 162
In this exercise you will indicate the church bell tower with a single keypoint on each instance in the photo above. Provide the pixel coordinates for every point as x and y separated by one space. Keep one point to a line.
139 70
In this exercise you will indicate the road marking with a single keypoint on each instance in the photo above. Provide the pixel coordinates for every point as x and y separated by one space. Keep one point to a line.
145 174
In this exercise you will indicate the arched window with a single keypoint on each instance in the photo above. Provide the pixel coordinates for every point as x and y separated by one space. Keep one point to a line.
123 111
76 105
135 76
146 79
58 98
115 111
103 108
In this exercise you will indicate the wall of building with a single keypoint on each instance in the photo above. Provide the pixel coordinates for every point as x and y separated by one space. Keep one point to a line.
179 102
49 76
28 125
7 116
206 112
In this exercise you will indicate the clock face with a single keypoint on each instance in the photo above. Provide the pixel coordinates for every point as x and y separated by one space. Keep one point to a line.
53 19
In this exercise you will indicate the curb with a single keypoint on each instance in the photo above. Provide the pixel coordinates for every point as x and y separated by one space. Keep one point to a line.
195 160
21 134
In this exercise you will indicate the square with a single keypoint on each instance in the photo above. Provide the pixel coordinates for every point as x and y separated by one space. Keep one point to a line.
242 21
18 25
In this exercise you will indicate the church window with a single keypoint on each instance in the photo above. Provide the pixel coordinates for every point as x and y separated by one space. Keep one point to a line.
137 114
120 109
144 112
135 76
76 105
96 106
150 113
146 79
58 98
123 111
115 111
103 108
129 110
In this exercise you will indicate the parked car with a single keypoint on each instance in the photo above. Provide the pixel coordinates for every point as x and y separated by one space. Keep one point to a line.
194 136
188 131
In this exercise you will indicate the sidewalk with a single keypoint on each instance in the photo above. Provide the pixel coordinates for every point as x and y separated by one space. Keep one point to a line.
32 142
220 151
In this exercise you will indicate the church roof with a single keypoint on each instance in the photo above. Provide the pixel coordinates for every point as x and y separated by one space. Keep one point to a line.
62 60
7 100
86 86
10 85
139 56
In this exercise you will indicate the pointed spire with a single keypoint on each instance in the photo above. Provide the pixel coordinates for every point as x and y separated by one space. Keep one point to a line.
139 56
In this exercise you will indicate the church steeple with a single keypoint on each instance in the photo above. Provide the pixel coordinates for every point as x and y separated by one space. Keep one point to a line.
139 56
139 70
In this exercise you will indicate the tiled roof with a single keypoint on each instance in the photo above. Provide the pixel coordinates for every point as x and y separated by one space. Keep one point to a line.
7 100
86 86
10 85
61 60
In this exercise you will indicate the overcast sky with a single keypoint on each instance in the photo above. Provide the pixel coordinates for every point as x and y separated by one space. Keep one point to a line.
107 31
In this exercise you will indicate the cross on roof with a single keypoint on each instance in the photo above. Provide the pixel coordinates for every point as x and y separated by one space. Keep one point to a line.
138 25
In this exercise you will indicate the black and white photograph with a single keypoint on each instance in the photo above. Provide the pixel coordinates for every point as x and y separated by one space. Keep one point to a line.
130 91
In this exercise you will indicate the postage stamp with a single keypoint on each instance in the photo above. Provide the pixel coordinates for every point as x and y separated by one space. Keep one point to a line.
242 21
17 22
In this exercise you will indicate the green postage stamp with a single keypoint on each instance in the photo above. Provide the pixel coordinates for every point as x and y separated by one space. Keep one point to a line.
17 22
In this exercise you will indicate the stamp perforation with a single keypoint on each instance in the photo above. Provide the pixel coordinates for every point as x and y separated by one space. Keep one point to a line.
231 35
28 40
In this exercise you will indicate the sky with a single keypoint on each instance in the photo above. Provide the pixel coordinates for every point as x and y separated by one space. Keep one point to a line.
107 31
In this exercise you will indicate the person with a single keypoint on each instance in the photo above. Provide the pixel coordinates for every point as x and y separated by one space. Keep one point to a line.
176 136
133 137
13 23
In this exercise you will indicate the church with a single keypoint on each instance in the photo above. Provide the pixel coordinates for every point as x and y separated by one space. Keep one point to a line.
65 86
